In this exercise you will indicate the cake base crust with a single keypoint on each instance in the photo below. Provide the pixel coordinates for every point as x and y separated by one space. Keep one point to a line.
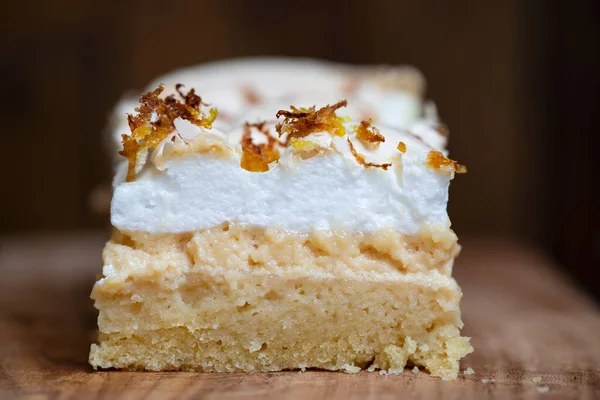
164 305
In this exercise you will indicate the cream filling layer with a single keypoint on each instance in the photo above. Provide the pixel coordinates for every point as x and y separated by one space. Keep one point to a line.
198 191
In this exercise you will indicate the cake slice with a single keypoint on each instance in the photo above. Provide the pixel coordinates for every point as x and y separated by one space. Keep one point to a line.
308 242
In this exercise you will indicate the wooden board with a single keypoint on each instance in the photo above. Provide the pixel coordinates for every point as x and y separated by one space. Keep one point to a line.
526 320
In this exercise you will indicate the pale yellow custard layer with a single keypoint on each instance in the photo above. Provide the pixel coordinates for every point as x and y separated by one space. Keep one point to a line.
242 248
231 298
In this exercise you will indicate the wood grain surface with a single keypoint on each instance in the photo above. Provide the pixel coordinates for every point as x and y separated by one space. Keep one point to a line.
525 317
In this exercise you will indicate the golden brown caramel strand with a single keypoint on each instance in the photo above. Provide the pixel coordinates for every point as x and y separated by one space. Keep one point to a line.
191 100
368 133
257 157
437 160
402 147
155 121
361 160
299 123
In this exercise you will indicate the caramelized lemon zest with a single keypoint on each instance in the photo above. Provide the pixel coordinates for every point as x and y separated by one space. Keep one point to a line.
368 133
438 161
155 121
301 122
257 157
402 147
361 160
303 109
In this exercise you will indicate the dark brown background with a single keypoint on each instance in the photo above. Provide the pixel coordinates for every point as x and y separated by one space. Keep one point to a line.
516 82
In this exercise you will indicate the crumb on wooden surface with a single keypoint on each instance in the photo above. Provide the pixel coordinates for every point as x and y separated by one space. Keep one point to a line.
543 389
350 369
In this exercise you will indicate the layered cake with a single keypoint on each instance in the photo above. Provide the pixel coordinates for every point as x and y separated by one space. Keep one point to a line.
309 240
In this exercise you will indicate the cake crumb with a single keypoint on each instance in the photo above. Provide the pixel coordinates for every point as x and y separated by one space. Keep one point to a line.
371 368
536 379
488 380
350 369
469 371
383 372
543 389
415 370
